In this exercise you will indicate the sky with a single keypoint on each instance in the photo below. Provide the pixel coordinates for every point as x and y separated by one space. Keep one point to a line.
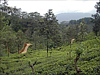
58 6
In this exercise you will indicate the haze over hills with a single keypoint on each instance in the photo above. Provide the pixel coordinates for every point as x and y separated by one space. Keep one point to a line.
71 16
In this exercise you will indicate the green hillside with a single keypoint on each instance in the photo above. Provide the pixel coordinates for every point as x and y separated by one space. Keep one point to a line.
58 63
51 49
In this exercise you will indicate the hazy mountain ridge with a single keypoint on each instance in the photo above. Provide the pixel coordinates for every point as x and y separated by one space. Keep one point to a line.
71 16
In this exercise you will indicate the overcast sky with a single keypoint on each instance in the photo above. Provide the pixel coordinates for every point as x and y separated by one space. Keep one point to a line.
58 6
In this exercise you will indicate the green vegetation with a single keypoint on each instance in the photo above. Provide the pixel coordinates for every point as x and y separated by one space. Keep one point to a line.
58 63
52 52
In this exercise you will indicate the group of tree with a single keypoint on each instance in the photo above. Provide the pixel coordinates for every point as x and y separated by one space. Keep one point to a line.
87 21
17 27
80 28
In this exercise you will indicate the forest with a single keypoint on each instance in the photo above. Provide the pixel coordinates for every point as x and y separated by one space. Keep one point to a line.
51 50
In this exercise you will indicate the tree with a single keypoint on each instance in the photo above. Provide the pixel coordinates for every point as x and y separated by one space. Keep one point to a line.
49 26
2 24
76 31
96 19
12 15
97 6
8 37
19 39
35 38
3 6
83 30
2 21
70 34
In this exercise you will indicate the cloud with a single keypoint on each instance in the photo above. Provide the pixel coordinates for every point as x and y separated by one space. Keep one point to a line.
82 0
58 6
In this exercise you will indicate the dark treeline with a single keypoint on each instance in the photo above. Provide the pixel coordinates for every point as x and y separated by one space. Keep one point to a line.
18 27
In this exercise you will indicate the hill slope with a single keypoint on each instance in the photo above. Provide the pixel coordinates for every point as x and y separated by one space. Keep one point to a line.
58 63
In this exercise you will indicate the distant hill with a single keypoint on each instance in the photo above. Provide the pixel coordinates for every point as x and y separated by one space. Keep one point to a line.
71 16
87 21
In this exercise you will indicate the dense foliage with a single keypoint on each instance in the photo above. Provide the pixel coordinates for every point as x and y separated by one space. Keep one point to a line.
42 31
45 33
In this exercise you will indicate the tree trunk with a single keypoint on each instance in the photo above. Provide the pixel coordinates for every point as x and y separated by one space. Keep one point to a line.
18 48
47 42
70 43
70 53
35 45
47 48
82 37
76 39
96 33
78 70
7 49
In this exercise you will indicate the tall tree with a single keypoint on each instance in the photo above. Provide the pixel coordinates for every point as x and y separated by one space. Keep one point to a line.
70 34
76 27
2 24
35 38
8 37
2 21
20 39
82 30
49 26
96 19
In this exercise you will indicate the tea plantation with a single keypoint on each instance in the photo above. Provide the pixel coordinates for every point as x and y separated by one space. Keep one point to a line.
58 62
